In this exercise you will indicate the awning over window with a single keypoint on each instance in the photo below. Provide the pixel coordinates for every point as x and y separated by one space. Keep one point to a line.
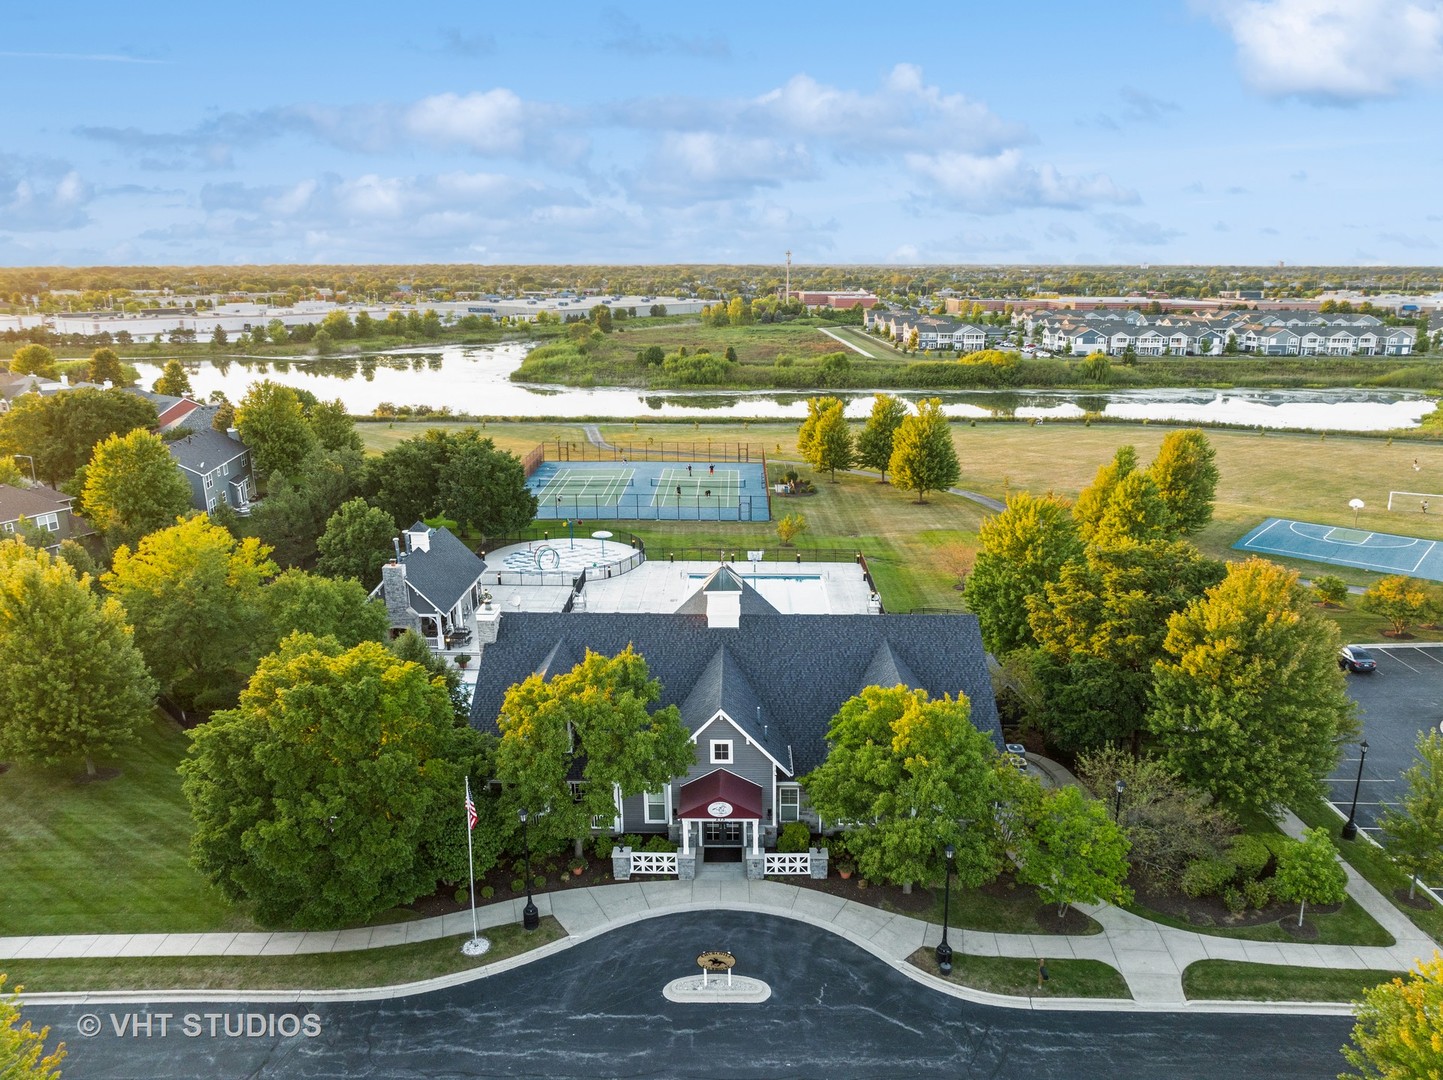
721 796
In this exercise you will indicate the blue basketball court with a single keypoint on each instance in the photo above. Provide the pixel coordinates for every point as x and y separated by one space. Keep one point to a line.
1383 552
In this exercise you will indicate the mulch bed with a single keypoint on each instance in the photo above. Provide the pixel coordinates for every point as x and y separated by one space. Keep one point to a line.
1206 911
1071 922
888 897
1418 901
443 900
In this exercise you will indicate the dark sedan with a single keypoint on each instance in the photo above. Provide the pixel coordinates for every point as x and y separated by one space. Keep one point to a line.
1357 659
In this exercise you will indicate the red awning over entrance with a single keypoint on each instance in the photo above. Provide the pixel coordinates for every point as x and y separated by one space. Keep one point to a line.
721 796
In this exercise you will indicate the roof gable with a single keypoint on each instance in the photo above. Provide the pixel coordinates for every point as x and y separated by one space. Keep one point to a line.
444 571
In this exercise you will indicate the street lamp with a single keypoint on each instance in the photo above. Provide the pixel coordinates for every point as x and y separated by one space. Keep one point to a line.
1118 787
944 950
1350 829
530 917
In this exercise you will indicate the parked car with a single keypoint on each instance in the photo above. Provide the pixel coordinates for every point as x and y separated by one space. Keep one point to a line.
1356 659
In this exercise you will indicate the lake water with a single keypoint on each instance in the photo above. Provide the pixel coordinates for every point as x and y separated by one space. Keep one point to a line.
475 380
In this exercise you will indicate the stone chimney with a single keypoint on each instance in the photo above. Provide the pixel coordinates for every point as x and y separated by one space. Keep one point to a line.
393 592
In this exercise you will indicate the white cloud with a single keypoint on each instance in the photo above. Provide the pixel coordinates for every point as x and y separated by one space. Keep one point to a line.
1128 230
707 165
1005 181
1337 52
39 195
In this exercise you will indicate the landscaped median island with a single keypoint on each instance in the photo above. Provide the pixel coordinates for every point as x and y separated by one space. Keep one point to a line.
1234 980
391 965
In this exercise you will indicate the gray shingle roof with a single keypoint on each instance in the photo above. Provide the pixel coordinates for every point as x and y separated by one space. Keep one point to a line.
18 502
443 573
725 579
798 668
205 449
723 685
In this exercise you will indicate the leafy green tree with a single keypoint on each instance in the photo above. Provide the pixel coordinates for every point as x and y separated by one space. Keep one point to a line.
874 443
790 527
1135 511
1093 500
601 318
193 594
356 543
132 486
73 686
1308 870
1071 851
292 516
1186 474
105 366
333 426
912 776
22 1048
298 602
276 331
1330 589
484 488
1401 600
61 430
1248 702
739 312
596 717
272 422
829 444
173 380
817 407
1414 828
1398 1034
923 457
1020 551
319 796
33 360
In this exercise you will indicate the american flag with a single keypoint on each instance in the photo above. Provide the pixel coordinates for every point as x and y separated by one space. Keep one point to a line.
470 808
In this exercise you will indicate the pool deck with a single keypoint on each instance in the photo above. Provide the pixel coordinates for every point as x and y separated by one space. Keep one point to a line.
659 586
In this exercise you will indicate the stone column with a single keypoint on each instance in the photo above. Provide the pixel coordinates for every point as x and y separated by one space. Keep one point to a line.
819 862
621 863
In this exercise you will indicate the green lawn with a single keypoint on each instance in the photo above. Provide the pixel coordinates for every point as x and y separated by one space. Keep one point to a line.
106 857
1372 862
1017 976
389 966
1232 980
1350 925
1017 911
378 436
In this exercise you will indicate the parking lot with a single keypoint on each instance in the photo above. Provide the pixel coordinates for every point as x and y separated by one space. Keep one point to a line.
1402 698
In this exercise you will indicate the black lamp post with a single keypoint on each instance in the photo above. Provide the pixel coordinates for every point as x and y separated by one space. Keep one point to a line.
1350 830
1118 787
530 917
944 950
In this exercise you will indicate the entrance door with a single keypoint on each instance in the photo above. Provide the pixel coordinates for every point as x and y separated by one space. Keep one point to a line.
723 833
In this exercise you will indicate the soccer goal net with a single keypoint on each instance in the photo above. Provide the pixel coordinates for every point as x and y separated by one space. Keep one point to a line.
1419 502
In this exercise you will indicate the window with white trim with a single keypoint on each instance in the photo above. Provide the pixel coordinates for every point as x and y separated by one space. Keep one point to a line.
721 751
48 522
789 804
655 807
209 482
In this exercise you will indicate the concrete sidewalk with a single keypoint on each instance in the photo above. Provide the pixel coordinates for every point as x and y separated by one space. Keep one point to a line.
1150 957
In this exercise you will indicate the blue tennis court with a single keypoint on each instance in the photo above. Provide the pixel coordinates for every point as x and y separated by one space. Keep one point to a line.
1384 552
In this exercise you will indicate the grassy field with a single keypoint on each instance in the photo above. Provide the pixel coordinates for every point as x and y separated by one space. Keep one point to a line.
390 966
1018 976
107 857
378 436
1233 980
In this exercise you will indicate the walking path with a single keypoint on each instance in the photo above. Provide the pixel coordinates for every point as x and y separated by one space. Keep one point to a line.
1150 957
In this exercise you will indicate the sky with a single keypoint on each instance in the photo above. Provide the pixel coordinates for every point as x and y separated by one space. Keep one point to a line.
1136 131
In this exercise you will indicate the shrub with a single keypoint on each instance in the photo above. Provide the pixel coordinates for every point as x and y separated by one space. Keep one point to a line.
1259 893
659 844
1205 877
837 851
1234 900
795 837
539 881
601 846
1330 590
518 885
462 895
487 892
1249 856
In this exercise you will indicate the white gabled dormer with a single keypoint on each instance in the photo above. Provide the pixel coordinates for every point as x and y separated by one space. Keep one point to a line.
418 537
723 592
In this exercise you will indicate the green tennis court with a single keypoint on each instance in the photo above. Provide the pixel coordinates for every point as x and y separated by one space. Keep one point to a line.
603 486
1384 552
676 487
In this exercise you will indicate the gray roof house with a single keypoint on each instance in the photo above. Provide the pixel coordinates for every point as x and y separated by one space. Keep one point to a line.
757 689
217 465
42 507
433 586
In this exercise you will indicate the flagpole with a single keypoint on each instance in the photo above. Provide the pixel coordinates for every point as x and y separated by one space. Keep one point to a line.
477 945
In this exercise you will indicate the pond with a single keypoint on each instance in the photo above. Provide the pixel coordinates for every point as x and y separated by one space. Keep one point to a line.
475 380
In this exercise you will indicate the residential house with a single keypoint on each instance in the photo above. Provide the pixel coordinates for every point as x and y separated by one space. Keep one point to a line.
756 689
217 465
433 586
43 508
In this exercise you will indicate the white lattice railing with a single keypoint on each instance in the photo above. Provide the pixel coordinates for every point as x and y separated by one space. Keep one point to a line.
789 864
653 862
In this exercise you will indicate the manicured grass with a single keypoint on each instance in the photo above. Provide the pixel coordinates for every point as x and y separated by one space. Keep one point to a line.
105 857
318 971
1350 925
1017 976
1017 911
1233 980
378 436
1372 862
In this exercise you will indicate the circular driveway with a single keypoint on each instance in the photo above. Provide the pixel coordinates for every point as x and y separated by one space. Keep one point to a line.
597 1010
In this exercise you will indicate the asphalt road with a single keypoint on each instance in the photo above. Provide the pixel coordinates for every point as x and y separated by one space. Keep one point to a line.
597 1011
1402 698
